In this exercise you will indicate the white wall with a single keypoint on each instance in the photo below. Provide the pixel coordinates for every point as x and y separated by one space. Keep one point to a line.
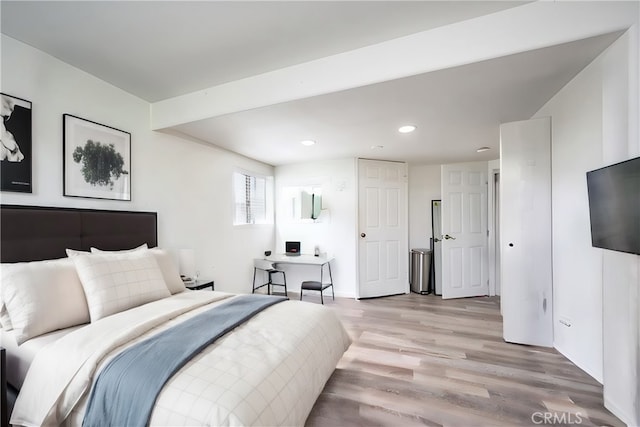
576 113
424 186
335 232
621 272
595 123
186 182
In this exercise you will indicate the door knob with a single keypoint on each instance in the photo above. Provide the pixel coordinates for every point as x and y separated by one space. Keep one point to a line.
436 240
363 235
446 236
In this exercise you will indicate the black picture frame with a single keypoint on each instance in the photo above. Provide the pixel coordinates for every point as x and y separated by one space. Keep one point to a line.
96 160
16 144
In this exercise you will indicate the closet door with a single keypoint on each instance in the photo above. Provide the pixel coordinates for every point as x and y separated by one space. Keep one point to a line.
525 232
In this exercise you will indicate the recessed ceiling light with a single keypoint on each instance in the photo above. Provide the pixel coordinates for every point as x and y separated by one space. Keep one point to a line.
377 147
481 149
308 142
406 128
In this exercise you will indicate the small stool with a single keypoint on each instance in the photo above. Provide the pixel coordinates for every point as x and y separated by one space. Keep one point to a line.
312 285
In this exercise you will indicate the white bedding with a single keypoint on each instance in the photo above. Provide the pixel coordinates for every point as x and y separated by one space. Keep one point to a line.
268 371
19 357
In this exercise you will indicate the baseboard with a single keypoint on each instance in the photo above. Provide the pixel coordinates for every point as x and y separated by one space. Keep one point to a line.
326 292
569 356
345 295
618 412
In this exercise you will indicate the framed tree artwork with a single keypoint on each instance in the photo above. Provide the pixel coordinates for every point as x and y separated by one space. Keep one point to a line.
96 160
16 157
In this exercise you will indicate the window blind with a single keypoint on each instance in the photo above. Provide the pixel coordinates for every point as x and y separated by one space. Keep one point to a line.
250 194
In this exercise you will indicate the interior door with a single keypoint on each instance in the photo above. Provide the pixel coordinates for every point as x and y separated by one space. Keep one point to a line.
464 225
383 248
525 231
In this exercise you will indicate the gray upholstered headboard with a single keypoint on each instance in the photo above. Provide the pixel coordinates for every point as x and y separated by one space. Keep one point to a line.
34 233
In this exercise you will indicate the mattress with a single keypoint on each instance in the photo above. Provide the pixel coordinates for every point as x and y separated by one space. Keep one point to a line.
19 358
268 371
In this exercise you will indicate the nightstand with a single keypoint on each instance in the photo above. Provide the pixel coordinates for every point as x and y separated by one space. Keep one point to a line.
4 409
201 284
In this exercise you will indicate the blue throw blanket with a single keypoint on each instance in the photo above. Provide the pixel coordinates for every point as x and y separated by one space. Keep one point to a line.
126 390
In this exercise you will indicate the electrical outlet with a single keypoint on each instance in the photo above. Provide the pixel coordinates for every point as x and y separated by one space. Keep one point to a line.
565 321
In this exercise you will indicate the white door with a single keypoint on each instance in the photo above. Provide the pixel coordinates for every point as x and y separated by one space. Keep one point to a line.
525 232
383 249
464 227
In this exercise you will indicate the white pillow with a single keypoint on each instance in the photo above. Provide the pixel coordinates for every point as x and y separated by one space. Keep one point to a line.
124 251
169 270
5 320
116 282
42 296
73 252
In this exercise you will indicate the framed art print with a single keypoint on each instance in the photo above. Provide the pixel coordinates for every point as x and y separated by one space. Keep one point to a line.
16 158
96 160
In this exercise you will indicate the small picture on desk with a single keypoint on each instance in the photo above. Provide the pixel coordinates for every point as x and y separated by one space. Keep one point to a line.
292 248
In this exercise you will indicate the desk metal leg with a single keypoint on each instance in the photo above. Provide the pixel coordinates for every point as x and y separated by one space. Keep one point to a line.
254 280
321 279
331 281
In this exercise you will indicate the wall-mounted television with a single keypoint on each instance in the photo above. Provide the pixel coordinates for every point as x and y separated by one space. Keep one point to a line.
614 206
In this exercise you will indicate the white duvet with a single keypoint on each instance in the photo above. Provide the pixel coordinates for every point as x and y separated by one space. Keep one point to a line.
268 371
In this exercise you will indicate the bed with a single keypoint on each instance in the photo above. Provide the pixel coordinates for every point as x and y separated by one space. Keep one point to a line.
64 330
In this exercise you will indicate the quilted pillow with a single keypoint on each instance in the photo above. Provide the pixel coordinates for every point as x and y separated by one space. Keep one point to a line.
168 267
116 282
42 296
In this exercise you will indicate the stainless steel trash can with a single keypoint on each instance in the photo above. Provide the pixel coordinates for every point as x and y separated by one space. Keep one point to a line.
420 270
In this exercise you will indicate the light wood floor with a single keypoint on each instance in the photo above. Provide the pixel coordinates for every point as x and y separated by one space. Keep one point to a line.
420 360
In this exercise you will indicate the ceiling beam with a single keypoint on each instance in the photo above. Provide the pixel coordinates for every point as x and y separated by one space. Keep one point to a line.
519 29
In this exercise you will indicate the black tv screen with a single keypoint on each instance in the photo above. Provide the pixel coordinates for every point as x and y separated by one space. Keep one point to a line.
614 206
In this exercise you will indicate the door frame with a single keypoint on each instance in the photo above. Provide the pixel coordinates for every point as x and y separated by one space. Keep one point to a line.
436 267
494 245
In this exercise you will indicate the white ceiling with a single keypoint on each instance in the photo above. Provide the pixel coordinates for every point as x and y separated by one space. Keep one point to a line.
457 110
161 49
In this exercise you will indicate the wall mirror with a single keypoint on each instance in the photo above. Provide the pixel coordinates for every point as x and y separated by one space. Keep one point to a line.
303 203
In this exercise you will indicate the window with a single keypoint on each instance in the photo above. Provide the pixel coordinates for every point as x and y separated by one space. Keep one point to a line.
252 199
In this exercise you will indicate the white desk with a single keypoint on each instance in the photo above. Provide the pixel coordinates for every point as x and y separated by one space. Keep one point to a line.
320 261
299 259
